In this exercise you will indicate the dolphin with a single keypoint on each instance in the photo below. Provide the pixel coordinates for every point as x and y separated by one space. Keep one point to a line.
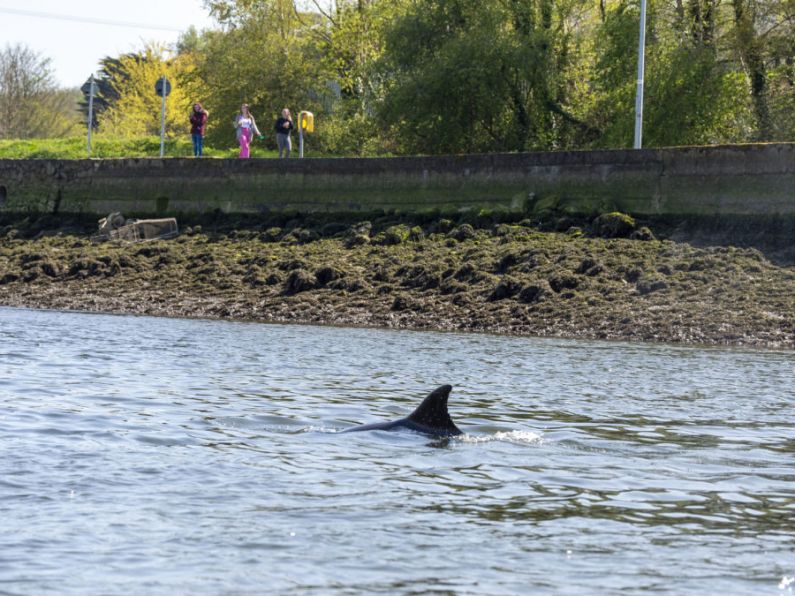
430 417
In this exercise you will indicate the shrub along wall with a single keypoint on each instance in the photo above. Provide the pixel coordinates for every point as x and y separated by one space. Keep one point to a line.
703 181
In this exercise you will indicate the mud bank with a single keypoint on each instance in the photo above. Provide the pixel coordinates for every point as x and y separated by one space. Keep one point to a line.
584 281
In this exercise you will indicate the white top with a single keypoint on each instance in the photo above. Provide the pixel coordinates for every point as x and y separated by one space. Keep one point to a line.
245 123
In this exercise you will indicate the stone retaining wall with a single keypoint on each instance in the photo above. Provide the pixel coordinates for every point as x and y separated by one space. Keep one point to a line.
722 180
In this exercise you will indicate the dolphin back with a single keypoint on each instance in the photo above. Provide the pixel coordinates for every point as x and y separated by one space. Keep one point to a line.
432 417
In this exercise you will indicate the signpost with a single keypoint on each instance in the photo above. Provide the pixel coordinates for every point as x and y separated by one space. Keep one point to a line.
90 89
162 88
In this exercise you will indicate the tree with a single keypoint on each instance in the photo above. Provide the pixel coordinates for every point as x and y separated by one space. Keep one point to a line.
764 40
692 95
31 104
264 55
471 76
128 103
449 76
351 46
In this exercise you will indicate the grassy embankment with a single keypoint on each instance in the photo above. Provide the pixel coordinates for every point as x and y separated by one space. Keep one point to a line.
112 147
420 274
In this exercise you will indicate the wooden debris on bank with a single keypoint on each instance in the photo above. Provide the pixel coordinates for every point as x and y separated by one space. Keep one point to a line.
116 227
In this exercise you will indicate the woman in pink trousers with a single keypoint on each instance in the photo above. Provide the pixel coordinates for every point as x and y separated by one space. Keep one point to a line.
246 127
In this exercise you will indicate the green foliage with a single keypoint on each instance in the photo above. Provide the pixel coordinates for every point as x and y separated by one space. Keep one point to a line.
488 77
134 108
690 97
391 77
264 56
782 104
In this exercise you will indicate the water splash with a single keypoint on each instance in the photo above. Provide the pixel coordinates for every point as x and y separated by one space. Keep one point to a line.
523 437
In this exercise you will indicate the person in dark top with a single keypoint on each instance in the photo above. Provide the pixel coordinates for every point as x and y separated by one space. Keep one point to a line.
283 127
198 123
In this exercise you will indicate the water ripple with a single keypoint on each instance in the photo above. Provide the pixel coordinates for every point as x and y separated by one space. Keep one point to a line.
197 456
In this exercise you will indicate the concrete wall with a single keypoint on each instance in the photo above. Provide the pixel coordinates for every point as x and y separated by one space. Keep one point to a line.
724 180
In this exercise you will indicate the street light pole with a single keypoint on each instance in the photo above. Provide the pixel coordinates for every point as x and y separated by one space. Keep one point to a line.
639 94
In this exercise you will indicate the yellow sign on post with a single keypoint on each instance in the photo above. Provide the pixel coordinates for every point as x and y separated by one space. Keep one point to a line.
307 121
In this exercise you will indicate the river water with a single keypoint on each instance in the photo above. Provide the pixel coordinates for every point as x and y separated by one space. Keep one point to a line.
161 456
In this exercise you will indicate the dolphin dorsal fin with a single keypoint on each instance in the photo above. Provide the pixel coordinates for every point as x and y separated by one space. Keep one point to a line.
432 412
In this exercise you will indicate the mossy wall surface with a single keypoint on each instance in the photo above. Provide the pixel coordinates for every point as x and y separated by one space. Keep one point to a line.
722 180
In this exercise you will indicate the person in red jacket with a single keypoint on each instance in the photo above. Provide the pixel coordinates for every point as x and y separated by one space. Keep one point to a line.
198 123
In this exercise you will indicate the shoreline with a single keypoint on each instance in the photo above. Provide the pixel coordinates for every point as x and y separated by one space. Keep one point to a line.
695 345
504 278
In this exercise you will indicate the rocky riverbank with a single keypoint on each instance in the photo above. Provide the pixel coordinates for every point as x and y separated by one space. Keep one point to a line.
605 279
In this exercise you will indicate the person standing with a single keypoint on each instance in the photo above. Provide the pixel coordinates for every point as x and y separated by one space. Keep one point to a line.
198 124
283 126
246 127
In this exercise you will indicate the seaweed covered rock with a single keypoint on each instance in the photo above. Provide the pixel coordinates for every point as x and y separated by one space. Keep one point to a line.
500 230
298 281
563 281
462 233
402 302
419 276
452 286
633 274
356 240
272 234
465 272
358 234
643 233
506 288
535 292
85 267
397 234
362 227
648 286
613 225
274 279
393 235
292 264
590 267
325 275
416 234
50 269
300 236
442 226
507 261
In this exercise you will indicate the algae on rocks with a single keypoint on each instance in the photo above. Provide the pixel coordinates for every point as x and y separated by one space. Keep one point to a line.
614 225
502 277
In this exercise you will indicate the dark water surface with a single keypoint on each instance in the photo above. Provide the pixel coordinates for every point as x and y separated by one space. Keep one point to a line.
159 456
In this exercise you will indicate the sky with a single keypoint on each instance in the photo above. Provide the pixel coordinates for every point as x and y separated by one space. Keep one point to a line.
76 47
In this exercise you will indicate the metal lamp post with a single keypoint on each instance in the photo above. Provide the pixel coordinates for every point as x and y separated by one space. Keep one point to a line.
639 93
